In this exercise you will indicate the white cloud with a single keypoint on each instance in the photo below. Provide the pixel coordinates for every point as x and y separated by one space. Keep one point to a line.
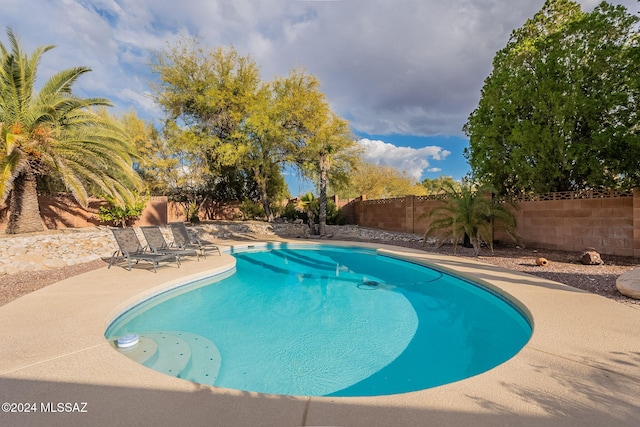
140 101
412 161
409 67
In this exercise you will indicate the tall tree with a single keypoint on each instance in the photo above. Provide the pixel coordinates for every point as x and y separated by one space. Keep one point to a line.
191 180
376 182
158 163
54 132
222 124
208 95
331 146
268 143
559 111
436 186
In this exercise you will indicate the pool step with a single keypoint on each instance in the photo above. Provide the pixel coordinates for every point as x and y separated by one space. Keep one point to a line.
172 356
179 354
141 352
205 359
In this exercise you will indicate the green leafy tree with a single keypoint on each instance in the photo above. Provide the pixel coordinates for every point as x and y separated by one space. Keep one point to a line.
559 111
55 133
377 182
207 95
210 91
168 167
158 163
470 213
252 210
268 144
222 121
435 186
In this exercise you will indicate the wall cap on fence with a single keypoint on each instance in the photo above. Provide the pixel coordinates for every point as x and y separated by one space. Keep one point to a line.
575 195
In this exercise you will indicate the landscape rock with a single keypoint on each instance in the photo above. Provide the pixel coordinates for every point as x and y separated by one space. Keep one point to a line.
54 249
591 257
542 262
628 283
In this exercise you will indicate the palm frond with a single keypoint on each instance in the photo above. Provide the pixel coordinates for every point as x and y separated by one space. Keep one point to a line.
10 167
470 211
57 133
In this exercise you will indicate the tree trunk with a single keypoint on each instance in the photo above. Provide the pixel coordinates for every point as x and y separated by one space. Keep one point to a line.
24 213
322 215
264 197
267 208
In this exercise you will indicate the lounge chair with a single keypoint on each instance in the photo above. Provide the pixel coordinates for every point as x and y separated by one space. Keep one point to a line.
182 239
129 248
156 243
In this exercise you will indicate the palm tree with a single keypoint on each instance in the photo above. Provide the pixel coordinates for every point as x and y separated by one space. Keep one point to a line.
55 133
469 213
319 142
308 203
332 148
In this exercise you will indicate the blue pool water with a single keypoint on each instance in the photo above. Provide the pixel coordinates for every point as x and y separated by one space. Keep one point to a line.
324 321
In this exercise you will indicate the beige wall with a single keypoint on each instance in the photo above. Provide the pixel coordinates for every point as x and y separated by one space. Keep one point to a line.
64 212
403 214
607 221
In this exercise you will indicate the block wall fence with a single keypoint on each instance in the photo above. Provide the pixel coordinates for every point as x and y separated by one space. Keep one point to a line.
64 212
571 221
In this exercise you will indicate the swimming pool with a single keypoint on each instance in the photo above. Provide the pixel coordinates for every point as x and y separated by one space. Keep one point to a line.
322 320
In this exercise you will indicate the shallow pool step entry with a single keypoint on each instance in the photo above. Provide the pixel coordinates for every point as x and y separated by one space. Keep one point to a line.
177 353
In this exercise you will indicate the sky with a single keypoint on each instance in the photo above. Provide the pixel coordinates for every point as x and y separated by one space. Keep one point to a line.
405 73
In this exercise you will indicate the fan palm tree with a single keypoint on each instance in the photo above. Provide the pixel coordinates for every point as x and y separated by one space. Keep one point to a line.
468 213
307 203
55 133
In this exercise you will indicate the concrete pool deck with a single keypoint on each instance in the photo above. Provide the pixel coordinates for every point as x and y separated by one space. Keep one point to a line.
580 368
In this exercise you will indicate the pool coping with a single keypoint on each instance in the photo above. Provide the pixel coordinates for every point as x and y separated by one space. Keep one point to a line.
580 367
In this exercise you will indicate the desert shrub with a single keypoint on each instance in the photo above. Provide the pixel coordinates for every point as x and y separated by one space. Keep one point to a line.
121 216
252 210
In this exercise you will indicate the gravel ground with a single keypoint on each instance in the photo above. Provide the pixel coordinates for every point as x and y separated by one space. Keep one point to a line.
563 267
13 286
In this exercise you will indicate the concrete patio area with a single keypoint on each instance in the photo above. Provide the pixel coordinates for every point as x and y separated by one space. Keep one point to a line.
580 368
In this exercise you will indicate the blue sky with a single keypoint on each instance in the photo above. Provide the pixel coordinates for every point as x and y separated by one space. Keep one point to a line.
405 73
